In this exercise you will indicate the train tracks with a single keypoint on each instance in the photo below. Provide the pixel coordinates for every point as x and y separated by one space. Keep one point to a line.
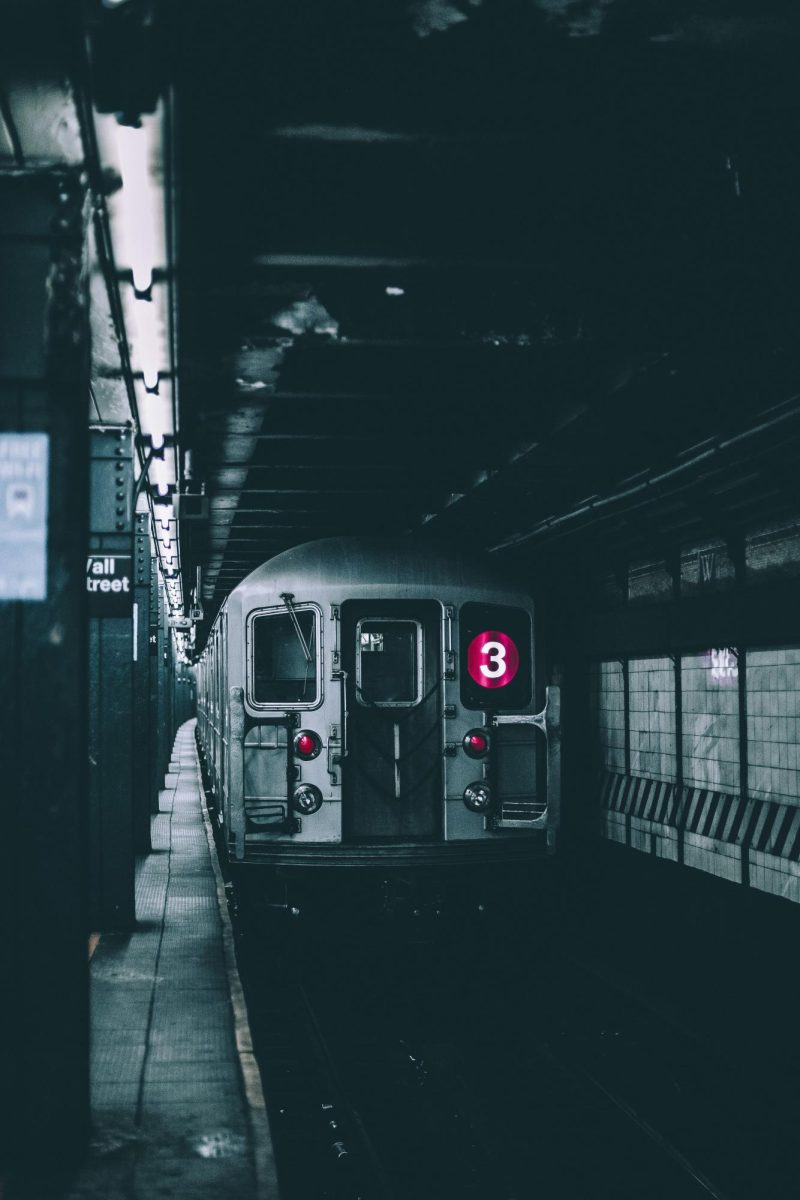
403 1065
424 1071
357 1113
322 1145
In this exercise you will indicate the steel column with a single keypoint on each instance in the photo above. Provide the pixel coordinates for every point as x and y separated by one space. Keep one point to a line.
111 824
44 381
142 800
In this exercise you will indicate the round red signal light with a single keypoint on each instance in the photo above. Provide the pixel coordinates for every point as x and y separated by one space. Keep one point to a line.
476 743
306 744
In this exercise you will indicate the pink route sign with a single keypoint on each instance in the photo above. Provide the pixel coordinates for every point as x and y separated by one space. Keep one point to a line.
492 659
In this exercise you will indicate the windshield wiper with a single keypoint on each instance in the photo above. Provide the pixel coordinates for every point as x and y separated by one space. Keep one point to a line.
288 598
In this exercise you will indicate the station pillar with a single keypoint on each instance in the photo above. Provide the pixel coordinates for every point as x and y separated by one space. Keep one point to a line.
142 774
110 582
44 384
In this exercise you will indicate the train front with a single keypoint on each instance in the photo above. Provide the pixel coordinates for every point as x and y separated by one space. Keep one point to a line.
384 712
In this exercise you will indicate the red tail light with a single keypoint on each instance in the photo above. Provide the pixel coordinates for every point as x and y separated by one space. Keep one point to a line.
476 743
307 744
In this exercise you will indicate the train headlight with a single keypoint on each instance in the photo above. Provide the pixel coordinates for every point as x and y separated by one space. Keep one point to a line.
476 743
307 799
477 796
307 744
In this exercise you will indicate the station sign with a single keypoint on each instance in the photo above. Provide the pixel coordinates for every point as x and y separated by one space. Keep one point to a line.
109 584
180 622
23 515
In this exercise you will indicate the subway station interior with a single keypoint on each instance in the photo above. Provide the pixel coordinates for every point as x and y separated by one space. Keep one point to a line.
399 599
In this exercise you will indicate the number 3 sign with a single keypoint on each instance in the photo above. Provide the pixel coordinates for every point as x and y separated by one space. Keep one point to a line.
492 659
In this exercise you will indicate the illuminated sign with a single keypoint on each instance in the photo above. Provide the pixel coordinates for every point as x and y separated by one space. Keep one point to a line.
492 659
723 666
496 663
108 583
23 515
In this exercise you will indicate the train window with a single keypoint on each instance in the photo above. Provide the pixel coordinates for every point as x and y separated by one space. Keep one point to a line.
285 664
388 662
496 668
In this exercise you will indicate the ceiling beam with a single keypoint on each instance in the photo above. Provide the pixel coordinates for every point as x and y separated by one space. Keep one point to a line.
369 490
380 262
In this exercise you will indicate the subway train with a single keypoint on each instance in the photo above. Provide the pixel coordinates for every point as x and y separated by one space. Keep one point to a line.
378 704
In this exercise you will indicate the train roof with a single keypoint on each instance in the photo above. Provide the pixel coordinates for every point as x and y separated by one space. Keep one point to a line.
391 562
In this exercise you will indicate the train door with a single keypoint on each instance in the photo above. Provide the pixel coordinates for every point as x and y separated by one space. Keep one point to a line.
393 779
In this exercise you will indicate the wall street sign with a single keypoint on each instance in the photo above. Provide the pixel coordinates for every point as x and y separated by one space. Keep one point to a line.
109 584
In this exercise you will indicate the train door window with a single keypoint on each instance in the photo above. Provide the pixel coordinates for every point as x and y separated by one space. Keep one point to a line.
389 666
496 657
285 667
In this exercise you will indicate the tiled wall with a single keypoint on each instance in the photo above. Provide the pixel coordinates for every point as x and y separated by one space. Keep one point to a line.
651 683
710 723
773 725
707 820
607 698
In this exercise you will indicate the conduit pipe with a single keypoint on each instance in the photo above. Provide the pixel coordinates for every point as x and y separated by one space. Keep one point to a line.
593 507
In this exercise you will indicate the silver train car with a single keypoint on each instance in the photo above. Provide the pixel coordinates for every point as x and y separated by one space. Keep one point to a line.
378 703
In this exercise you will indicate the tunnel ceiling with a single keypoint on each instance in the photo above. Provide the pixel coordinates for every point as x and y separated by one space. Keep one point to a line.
471 268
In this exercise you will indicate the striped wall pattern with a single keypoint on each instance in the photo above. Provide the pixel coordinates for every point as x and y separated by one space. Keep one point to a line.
750 841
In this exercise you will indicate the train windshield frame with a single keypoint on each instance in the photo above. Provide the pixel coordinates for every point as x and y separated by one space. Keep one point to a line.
278 675
379 644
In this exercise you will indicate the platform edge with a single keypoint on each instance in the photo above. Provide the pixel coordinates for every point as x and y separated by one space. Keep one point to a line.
258 1119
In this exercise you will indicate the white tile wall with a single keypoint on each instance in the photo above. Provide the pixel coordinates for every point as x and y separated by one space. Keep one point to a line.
651 683
710 727
613 827
777 875
717 858
773 724
607 699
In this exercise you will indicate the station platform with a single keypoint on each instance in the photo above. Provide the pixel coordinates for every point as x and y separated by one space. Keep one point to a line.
177 1105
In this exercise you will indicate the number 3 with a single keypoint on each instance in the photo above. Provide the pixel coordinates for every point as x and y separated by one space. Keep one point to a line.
497 657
